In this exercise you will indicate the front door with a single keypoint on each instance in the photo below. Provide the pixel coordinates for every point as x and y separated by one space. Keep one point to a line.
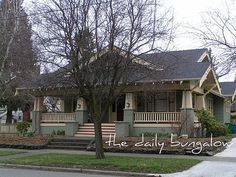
120 108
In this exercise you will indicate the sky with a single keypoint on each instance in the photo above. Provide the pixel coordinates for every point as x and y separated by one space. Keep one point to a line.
188 13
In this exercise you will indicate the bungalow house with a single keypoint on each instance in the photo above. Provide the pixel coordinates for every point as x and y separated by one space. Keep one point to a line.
164 102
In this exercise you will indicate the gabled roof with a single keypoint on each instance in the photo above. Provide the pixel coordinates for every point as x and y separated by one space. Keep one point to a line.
180 65
165 66
191 55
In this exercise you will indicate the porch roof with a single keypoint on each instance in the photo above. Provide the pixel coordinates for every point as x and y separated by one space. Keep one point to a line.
229 89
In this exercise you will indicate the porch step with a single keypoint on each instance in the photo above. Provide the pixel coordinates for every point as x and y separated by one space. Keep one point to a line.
87 130
69 143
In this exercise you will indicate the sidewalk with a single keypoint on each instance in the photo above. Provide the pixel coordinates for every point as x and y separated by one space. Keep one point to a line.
224 166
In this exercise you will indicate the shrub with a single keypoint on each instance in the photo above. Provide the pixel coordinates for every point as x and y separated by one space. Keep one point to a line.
151 134
58 132
233 116
210 123
22 127
61 132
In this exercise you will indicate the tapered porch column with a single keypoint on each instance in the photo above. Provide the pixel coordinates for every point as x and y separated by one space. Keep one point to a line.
61 105
187 122
37 114
81 111
187 100
130 107
200 102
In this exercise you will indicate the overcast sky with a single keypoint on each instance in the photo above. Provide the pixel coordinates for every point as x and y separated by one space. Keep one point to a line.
188 13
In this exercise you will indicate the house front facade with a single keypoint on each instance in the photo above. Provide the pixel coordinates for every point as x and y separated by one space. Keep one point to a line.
164 103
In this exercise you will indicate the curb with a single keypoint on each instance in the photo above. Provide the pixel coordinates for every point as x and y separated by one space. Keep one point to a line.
79 170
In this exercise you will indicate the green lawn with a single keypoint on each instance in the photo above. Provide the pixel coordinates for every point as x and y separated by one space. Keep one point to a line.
5 153
131 164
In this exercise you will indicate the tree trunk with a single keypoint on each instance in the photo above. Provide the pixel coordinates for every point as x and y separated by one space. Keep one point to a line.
98 139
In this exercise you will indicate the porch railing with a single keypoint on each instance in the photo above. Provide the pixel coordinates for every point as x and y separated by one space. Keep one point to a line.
58 117
157 117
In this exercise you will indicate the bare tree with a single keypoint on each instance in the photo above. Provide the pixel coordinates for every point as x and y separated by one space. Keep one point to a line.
100 39
219 32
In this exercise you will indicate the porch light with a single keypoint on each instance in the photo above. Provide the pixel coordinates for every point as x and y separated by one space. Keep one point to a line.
78 106
127 105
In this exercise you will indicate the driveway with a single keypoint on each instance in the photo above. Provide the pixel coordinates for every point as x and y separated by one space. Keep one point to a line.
225 166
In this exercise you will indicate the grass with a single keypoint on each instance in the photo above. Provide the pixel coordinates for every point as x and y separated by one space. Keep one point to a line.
131 164
5 153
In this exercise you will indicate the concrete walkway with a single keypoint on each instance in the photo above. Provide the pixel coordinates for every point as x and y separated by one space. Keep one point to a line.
225 165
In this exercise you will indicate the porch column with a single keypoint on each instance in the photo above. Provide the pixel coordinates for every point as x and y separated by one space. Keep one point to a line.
200 102
187 124
81 112
130 107
37 114
187 100
61 105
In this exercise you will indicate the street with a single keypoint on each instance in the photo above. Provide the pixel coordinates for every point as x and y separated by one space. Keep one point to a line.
11 172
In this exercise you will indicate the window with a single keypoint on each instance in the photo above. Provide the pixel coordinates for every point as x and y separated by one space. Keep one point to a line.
210 105
159 102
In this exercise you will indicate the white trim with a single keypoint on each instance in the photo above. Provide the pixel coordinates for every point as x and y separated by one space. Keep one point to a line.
203 56
204 77
234 95
216 93
217 82
210 90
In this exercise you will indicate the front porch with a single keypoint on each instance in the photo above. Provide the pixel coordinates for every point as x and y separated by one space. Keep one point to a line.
133 113
166 107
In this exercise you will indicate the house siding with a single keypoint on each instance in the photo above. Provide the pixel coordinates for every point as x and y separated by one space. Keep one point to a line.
218 104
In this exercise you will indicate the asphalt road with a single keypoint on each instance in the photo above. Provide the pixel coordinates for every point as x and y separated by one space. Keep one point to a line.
11 172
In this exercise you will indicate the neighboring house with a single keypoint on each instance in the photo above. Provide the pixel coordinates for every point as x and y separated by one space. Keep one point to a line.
163 102
229 92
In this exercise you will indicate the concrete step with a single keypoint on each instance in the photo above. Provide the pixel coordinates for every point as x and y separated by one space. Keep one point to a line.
92 134
66 147
87 130
89 135
74 139
69 143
